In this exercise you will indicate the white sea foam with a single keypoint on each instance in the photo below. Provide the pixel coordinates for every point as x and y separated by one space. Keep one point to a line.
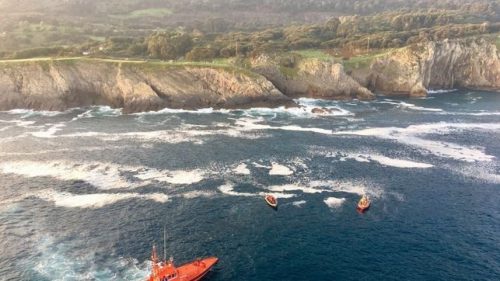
257 165
299 203
245 124
295 187
279 170
101 175
386 161
334 202
411 136
198 194
419 108
228 189
358 187
174 111
173 177
25 113
98 200
57 261
99 111
442 91
242 169
50 132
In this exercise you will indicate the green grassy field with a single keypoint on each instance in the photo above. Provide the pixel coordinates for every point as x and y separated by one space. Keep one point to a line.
156 13
314 54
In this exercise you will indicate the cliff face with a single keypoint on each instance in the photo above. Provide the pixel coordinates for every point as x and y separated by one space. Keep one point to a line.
58 85
465 63
312 78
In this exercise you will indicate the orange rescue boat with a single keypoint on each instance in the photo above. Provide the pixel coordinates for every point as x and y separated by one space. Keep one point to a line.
271 201
363 204
193 271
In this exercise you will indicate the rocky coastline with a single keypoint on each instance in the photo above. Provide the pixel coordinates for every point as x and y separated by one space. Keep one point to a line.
59 84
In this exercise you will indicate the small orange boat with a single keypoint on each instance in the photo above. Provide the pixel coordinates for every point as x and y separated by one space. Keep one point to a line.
271 201
166 270
363 204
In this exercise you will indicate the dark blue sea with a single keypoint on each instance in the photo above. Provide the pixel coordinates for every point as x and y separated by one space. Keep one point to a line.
85 193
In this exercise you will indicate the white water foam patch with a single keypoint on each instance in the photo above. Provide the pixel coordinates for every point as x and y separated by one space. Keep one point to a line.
50 132
101 175
94 201
26 113
442 91
279 170
198 194
358 187
208 110
411 136
186 133
56 261
386 161
246 124
228 189
179 177
99 111
241 169
410 106
295 187
299 203
334 202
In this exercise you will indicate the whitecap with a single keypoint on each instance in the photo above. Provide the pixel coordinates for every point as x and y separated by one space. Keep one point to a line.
50 132
26 113
279 170
299 203
295 187
228 189
386 161
441 91
334 202
241 169
179 177
94 201
411 136
198 194
101 175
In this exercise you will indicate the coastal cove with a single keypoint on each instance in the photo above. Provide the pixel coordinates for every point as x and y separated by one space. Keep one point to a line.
88 190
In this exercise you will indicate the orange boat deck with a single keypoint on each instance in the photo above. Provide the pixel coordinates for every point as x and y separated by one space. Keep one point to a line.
193 271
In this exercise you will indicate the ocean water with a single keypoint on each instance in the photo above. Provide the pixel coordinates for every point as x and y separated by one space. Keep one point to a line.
86 192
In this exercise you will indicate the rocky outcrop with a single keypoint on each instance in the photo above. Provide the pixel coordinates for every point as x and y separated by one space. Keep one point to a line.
461 63
133 86
312 78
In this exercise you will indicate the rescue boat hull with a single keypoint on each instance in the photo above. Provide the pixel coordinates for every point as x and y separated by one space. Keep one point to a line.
271 201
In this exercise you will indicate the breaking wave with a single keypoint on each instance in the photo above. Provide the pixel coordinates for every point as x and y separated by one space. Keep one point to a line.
411 135
97 200
101 175
334 202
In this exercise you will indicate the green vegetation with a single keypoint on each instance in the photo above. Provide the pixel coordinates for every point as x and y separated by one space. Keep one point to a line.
218 30
153 12
315 54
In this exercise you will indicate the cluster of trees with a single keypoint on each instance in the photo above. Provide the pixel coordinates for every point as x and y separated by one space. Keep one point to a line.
218 37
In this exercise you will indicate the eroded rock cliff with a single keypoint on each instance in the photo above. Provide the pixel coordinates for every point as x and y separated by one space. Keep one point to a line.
311 78
133 86
448 64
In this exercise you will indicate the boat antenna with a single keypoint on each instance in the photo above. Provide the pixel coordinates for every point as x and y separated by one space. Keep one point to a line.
165 243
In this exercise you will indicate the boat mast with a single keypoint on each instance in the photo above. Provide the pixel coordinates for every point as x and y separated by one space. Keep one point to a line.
165 243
